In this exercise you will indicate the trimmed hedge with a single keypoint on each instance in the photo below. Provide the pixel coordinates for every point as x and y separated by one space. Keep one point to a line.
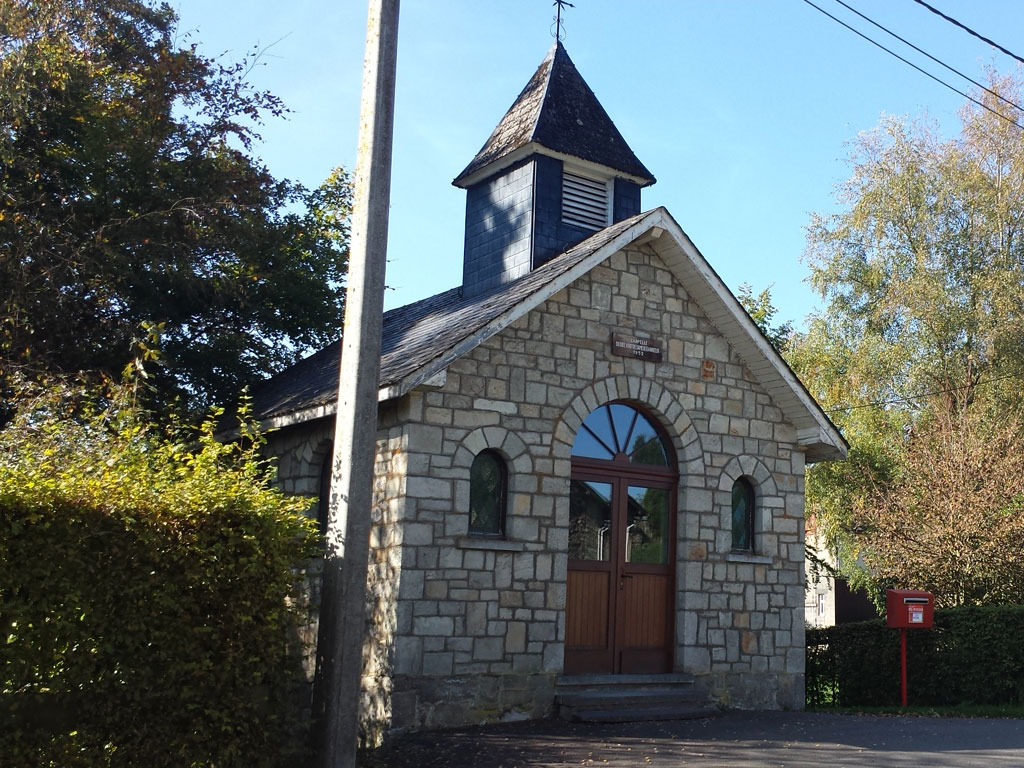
144 598
974 655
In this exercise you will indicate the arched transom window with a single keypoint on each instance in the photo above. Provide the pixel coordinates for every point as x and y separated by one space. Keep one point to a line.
618 432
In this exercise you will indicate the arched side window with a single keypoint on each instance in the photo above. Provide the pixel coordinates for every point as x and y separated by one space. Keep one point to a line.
324 490
742 515
488 495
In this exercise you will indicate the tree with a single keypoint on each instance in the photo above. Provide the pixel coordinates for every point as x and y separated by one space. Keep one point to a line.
923 273
762 312
133 212
950 518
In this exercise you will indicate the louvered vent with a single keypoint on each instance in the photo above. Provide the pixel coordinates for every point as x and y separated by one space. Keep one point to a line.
584 201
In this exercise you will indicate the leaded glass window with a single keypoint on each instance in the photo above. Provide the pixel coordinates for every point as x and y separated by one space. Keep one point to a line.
743 515
488 481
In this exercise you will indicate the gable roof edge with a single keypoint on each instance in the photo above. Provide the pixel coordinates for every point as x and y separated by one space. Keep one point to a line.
815 434
512 314
815 431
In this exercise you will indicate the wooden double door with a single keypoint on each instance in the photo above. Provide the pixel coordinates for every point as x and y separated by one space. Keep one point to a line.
619 595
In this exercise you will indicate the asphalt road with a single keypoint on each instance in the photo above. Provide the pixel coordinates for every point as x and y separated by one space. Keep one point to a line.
733 740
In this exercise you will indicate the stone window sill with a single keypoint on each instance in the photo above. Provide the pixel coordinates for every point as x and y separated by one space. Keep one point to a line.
743 557
493 545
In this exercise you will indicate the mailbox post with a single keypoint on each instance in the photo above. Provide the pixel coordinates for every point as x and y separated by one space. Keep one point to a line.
908 609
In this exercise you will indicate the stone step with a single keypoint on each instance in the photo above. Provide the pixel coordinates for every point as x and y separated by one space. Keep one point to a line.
630 715
629 698
566 682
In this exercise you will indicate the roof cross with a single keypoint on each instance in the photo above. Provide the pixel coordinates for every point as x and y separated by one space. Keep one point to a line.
559 28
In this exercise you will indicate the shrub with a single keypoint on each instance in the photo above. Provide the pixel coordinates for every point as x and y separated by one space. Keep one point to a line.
144 593
852 664
972 656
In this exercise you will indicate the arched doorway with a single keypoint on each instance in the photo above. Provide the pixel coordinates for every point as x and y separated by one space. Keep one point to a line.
619 593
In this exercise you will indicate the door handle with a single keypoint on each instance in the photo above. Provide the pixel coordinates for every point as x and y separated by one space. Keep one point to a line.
623 577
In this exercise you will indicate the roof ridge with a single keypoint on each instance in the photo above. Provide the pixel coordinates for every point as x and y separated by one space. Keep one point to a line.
552 55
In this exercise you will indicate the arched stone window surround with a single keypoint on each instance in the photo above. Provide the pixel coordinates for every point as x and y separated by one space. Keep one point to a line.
766 498
655 401
518 463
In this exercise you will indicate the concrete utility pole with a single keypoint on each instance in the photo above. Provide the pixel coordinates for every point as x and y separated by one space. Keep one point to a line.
355 436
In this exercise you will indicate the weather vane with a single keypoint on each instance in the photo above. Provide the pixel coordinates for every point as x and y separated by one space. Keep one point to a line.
559 29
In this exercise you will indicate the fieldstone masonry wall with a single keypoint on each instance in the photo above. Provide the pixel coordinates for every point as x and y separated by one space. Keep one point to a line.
469 629
301 453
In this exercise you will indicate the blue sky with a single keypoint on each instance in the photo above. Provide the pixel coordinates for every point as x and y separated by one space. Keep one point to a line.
741 108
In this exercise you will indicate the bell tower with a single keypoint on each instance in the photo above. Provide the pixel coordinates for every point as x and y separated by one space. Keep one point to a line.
554 171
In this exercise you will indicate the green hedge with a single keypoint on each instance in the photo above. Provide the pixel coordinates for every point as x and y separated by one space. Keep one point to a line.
974 655
144 587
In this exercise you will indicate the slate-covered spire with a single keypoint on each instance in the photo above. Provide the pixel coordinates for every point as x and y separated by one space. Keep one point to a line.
554 171
557 111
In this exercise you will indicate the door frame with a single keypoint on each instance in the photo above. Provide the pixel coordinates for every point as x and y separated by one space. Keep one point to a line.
621 473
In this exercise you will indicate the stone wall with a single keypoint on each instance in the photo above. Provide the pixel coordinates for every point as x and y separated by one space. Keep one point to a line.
301 452
478 624
524 392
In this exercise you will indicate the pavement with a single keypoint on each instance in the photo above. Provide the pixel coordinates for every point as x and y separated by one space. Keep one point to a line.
732 740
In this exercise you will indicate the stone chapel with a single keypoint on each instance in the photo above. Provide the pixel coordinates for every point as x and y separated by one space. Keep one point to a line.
590 461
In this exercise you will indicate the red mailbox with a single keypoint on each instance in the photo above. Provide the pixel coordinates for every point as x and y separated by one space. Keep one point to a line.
909 609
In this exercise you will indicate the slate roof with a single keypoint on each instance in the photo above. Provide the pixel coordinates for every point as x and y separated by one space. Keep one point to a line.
417 334
558 111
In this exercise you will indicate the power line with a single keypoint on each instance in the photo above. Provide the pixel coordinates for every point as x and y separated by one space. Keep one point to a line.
919 395
937 61
911 64
970 31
